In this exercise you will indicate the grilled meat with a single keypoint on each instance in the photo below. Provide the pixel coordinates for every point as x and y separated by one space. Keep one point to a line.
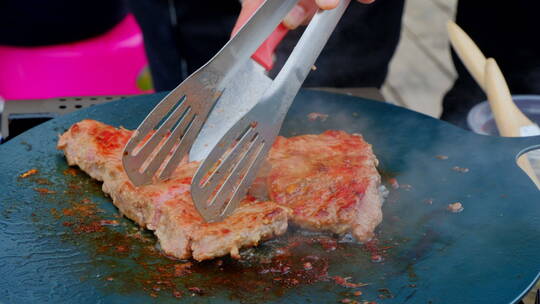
330 182
320 182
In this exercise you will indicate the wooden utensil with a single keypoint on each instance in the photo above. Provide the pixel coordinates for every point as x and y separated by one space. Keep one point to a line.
469 53
510 121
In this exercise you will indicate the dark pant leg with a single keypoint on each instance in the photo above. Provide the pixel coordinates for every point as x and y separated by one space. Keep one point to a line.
359 50
182 35
160 41
204 28
506 31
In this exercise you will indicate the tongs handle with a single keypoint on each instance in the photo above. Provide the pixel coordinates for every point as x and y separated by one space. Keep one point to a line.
299 64
252 34
264 54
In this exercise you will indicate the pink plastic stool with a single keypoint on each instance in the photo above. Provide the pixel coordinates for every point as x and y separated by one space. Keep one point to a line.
105 65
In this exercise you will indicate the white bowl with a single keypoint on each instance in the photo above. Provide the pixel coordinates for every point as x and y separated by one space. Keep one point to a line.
480 119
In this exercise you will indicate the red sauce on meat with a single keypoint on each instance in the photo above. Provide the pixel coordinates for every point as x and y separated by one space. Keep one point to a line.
109 140
75 129
185 180
272 213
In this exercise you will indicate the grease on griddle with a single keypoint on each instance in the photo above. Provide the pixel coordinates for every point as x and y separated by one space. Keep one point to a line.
406 187
345 282
377 252
71 171
43 181
128 260
27 146
108 223
34 175
29 173
317 116
429 201
455 207
393 182
44 191
411 273
83 217
385 293
81 209
460 169
329 244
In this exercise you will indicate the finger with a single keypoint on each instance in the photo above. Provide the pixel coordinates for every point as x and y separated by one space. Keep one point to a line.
301 12
248 8
327 4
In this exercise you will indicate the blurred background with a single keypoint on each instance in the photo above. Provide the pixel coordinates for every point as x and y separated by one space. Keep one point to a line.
58 56
421 70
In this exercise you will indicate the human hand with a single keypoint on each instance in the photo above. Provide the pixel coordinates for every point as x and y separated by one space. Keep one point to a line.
301 13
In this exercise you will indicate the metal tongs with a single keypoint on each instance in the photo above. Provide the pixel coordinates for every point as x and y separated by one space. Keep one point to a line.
237 136
168 133
223 178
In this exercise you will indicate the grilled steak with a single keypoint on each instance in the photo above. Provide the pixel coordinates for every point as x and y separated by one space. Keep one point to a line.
330 182
320 182
166 207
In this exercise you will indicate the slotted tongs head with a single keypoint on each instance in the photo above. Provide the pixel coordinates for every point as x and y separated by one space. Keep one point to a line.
167 134
223 178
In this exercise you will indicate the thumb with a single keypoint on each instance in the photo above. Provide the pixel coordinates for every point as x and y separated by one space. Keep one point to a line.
301 12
